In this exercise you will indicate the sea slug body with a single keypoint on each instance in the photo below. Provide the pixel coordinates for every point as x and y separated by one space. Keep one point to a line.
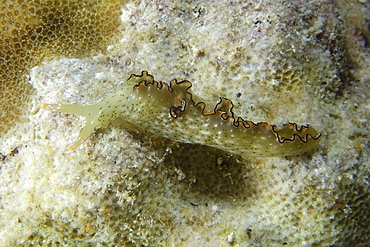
171 111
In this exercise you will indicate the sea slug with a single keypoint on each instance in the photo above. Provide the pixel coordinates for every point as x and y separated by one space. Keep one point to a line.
172 111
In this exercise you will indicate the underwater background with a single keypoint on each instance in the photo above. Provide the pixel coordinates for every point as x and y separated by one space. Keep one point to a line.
278 61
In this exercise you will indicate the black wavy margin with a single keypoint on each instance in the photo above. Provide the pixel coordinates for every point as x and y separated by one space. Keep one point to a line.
175 111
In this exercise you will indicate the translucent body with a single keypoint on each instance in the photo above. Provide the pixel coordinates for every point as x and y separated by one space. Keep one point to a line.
170 111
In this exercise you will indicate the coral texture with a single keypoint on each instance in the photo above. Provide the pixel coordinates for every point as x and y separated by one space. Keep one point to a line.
33 29
278 61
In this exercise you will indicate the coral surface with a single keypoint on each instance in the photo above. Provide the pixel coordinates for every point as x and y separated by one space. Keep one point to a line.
278 61
33 29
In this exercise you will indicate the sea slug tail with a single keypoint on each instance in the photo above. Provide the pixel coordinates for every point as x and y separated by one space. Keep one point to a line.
291 131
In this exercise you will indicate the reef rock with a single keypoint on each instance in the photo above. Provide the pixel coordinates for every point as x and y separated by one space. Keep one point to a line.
278 61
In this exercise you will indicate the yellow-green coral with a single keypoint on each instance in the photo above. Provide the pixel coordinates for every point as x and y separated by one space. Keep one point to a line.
33 29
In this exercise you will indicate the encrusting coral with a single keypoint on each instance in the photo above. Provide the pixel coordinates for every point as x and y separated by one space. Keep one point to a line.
170 111
32 30
277 61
